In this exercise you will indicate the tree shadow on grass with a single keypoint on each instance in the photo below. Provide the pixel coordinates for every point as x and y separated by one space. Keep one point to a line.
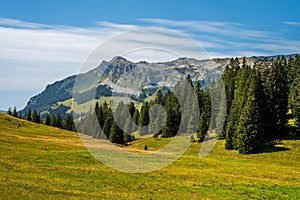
274 149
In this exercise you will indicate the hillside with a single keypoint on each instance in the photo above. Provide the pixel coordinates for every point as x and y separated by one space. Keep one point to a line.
40 162
122 78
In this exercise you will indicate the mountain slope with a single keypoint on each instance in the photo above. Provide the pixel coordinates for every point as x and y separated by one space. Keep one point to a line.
120 77
123 78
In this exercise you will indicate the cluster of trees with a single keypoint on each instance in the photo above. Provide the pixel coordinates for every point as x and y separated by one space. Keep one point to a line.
258 100
128 120
55 120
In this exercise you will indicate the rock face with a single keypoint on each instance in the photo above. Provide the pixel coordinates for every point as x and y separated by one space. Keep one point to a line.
120 77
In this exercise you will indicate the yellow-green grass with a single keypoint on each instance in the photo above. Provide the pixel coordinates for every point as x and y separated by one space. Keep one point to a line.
40 162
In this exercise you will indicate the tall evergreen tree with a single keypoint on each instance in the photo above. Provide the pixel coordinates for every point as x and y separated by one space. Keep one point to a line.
53 121
276 89
108 121
15 113
136 116
9 112
28 115
144 118
69 123
231 141
116 134
294 97
59 122
35 117
250 129
20 114
47 119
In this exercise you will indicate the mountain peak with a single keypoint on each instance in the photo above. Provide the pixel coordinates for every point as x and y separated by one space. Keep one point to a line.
118 59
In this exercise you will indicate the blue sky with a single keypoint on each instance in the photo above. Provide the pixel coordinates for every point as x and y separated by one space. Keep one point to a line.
44 41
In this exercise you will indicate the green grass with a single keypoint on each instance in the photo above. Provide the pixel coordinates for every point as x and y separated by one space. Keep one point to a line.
40 162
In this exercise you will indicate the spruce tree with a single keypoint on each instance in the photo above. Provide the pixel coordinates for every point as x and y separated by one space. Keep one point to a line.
35 117
20 114
276 89
53 120
144 118
231 139
116 134
59 122
47 119
250 129
294 98
108 121
28 115
15 113
69 123
9 112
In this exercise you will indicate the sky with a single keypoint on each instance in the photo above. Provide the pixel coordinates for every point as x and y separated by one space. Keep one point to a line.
44 41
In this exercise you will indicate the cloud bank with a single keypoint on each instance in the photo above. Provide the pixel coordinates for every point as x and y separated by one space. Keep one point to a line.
33 55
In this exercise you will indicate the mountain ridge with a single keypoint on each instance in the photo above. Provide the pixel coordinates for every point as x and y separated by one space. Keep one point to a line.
122 77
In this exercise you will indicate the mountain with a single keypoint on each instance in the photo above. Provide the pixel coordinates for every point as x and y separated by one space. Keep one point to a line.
124 79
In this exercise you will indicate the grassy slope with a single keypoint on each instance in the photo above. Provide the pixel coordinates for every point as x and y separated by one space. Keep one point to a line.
42 162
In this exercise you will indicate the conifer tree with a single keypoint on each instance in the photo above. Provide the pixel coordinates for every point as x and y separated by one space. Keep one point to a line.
47 119
15 113
231 141
294 98
144 118
59 122
20 114
108 121
250 129
116 134
35 117
53 120
28 115
276 89
69 123
9 112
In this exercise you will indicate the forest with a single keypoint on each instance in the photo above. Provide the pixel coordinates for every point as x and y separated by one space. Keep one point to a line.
262 107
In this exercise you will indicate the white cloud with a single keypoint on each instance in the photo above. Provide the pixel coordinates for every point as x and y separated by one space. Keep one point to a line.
292 23
55 51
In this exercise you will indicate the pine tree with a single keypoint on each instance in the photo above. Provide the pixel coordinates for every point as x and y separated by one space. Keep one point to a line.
9 112
47 119
116 134
250 129
144 118
205 114
35 117
53 121
294 98
128 130
173 113
15 113
59 122
231 140
108 121
69 123
276 89
20 114
28 115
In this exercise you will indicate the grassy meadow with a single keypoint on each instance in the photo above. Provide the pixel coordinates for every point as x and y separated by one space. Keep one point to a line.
41 162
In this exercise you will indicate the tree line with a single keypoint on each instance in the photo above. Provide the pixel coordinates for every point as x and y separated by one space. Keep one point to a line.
67 123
